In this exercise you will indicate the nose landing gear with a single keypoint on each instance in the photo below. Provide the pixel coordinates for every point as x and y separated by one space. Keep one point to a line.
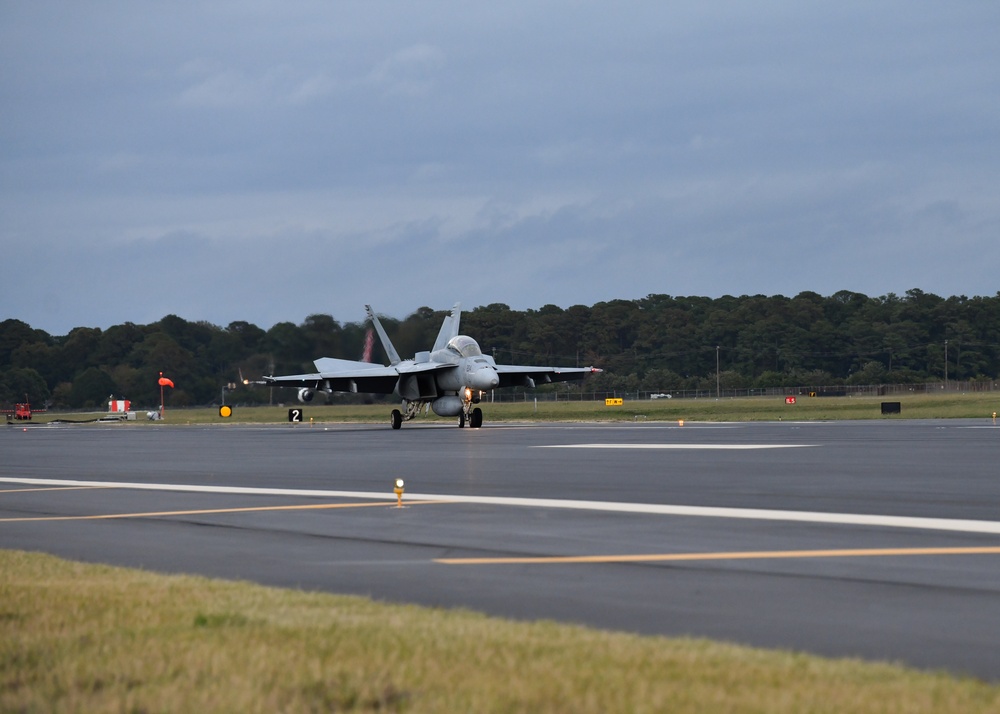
475 418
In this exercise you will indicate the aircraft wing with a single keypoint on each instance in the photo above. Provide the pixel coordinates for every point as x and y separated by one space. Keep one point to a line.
332 364
344 375
524 376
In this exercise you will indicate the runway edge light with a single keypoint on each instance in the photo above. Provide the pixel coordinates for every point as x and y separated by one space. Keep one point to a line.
398 490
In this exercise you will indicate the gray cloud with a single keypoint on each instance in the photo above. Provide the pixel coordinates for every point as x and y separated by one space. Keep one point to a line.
266 161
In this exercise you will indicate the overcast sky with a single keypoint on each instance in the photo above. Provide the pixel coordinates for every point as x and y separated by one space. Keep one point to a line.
265 161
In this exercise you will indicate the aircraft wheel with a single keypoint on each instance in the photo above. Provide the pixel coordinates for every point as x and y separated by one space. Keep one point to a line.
476 420
461 420
397 419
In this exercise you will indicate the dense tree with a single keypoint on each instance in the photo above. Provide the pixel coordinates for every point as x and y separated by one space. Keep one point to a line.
117 342
41 357
249 335
79 352
498 329
288 347
15 334
19 384
91 388
324 335
656 343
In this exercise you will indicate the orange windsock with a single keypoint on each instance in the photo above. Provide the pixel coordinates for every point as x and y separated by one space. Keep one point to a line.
164 382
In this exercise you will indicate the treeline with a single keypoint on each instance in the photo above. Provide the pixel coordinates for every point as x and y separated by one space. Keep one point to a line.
657 343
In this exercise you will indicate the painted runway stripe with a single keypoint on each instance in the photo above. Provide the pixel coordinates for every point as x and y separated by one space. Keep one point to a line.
50 488
654 509
204 511
720 447
738 555
196 488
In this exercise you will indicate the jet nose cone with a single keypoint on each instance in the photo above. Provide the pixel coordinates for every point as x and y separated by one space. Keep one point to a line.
485 378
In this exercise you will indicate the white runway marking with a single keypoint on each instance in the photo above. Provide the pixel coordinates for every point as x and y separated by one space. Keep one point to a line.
735 447
847 519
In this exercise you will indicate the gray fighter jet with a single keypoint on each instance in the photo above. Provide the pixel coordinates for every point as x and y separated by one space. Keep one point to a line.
451 377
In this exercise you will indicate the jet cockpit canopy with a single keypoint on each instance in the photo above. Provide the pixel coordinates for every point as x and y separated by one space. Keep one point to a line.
465 346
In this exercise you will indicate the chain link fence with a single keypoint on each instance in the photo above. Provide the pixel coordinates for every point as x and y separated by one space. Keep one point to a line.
855 390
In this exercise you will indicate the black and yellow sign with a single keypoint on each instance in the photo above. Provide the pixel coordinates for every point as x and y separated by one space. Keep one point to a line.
225 411
616 402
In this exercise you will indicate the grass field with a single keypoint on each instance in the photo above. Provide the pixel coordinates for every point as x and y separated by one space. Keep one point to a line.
88 638
950 405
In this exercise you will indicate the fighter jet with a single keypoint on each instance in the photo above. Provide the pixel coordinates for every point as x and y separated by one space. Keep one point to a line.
451 377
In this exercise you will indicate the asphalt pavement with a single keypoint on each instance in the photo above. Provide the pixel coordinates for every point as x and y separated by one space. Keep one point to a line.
876 539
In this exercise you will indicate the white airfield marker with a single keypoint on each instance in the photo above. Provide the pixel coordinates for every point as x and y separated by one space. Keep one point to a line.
721 447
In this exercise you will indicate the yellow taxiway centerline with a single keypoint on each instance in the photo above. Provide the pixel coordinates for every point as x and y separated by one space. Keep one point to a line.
738 555
205 511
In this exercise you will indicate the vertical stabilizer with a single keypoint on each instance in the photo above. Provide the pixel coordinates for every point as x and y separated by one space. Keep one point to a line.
449 328
390 351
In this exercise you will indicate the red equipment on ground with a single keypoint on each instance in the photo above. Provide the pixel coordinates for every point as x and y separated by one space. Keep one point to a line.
21 412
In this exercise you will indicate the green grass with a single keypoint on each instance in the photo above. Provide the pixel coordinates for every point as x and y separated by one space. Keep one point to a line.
950 405
91 638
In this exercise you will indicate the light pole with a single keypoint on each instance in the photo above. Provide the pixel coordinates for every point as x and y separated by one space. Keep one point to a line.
716 371
946 365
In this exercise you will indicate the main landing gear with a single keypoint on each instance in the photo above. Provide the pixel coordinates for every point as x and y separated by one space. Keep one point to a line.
467 413
397 417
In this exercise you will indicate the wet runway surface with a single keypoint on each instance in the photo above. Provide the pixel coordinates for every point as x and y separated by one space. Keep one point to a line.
872 539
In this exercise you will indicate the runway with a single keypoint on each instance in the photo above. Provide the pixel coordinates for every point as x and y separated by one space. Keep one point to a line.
878 540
